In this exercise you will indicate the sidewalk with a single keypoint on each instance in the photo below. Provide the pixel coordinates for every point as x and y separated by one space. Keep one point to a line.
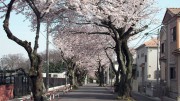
137 96
141 97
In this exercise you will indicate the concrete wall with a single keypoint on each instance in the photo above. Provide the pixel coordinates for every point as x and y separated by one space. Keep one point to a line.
56 75
135 86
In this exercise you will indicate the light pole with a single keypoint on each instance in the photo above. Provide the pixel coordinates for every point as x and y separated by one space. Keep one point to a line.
157 65
158 57
157 61
47 57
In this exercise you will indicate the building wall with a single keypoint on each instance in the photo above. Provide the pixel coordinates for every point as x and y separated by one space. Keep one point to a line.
163 63
152 63
56 75
140 60
150 66
172 83
163 71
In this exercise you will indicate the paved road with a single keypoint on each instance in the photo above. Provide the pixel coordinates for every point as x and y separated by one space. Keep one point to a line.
90 92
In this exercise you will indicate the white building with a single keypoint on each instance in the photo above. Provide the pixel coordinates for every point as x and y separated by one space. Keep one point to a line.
147 63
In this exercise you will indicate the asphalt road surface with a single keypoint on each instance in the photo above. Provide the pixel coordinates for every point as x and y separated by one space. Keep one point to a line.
90 92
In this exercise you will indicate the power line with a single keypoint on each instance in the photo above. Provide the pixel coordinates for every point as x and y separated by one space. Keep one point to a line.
165 23
145 36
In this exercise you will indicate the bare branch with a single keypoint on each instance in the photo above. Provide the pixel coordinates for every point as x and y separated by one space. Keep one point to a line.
139 30
37 35
25 44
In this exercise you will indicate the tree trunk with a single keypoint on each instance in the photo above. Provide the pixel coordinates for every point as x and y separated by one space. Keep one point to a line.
124 59
116 86
101 75
125 86
37 87
35 73
73 78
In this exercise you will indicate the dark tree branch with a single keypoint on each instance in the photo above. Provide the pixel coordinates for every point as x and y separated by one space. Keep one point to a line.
25 44
139 30
93 23
110 60
131 32
120 57
102 33
33 7
37 35
38 18
127 54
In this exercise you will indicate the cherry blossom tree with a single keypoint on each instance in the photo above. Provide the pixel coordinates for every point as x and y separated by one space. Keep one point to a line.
80 74
35 11
120 19
88 49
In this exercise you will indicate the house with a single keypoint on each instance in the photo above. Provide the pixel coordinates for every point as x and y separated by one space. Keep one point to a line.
147 65
170 52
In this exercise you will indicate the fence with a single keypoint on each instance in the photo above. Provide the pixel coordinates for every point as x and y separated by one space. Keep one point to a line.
154 89
21 83
53 82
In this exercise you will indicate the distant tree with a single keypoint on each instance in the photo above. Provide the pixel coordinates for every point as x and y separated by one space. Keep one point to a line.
56 64
14 61
80 74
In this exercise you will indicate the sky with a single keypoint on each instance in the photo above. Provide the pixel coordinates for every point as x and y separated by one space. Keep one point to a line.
22 30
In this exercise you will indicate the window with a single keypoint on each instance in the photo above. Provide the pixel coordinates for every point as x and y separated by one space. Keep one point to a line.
172 73
173 34
142 55
137 73
145 58
162 48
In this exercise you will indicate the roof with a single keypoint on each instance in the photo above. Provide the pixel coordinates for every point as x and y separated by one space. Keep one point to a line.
151 43
174 10
170 13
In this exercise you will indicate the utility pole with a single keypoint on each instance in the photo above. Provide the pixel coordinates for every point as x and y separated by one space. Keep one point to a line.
108 73
158 58
157 63
47 56
157 73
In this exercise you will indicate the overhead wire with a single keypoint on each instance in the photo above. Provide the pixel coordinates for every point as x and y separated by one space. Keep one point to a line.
157 27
